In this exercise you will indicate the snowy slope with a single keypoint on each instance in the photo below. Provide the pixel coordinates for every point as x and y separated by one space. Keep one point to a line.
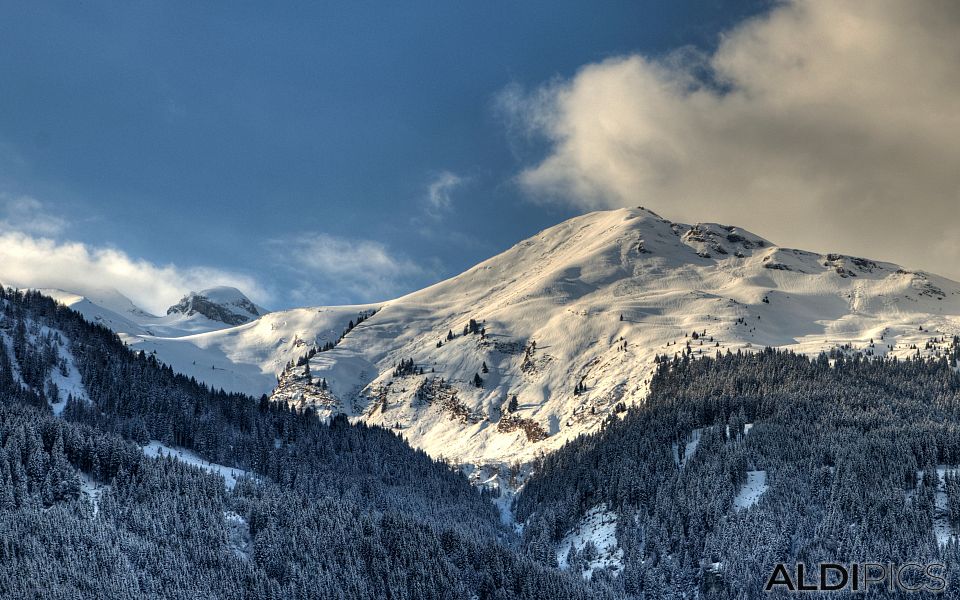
230 474
591 302
245 358
750 492
118 318
571 322
63 379
595 538
250 357
111 309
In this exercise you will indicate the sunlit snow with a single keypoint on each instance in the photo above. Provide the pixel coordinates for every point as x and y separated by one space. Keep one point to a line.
589 302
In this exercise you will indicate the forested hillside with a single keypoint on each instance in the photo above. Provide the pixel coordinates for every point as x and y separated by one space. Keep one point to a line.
326 511
742 461
735 463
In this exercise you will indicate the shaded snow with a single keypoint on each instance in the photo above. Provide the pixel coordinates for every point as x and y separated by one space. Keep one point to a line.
238 534
11 357
230 474
70 384
600 527
941 511
942 529
506 481
688 449
751 491
93 490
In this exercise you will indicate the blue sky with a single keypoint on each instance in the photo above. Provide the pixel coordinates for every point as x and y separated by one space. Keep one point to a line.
318 152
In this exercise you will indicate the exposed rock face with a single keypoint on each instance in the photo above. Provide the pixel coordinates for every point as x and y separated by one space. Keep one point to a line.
226 305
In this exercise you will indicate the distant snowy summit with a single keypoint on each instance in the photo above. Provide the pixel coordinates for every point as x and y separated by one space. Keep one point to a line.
198 312
224 304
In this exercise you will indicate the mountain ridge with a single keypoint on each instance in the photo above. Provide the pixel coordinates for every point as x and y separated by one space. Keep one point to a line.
564 329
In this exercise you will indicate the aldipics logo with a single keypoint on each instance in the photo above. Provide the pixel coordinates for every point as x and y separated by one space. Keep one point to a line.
859 577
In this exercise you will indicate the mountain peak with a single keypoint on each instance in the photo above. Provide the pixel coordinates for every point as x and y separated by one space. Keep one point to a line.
223 303
543 342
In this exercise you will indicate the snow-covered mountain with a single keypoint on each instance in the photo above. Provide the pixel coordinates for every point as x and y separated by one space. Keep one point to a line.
542 342
245 358
227 305
197 312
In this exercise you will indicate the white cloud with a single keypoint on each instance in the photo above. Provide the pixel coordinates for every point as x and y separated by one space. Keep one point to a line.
38 262
825 124
27 214
439 199
363 270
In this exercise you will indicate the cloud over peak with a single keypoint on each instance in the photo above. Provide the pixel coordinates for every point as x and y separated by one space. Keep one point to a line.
821 123
28 261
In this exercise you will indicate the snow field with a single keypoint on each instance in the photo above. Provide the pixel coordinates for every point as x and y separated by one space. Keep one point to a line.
750 492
